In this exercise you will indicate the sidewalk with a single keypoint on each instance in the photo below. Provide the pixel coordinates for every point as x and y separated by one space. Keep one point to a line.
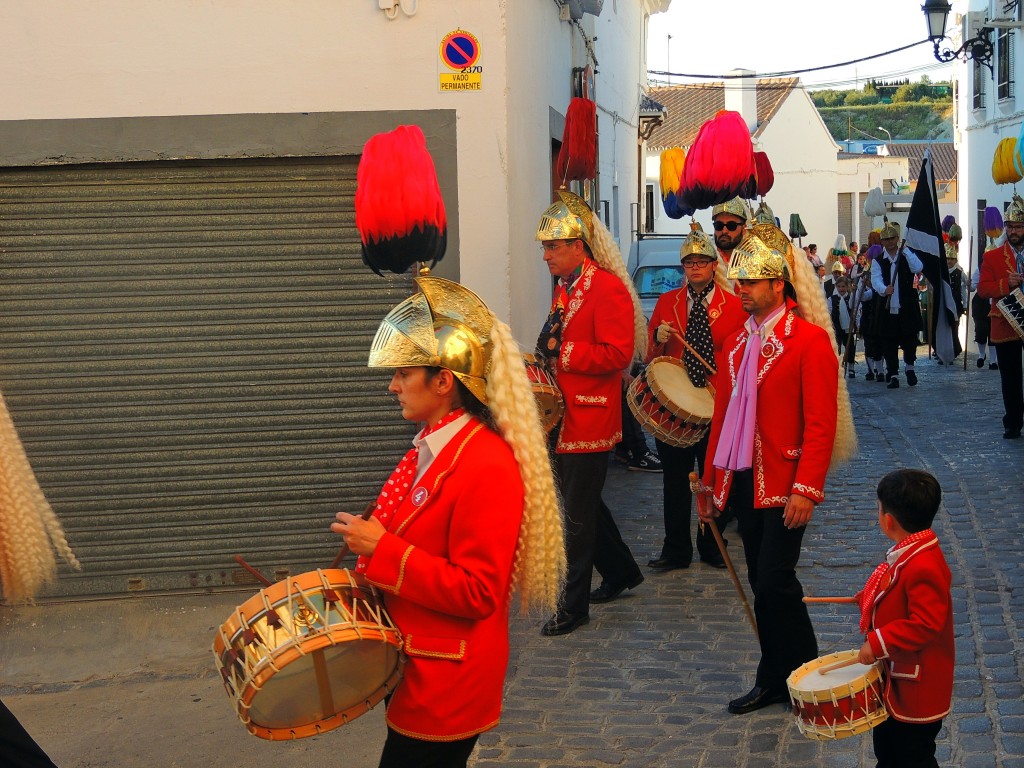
131 683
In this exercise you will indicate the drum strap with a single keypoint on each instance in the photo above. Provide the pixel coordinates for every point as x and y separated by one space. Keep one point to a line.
878 580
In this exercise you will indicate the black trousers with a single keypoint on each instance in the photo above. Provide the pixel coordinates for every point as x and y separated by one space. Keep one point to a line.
17 748
979 314
677 464
772 551
402 751
633 438
891 346
905 745
592 539
1011 379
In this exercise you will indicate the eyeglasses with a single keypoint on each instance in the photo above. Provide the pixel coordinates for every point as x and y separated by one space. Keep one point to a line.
697 263
551 245
732 226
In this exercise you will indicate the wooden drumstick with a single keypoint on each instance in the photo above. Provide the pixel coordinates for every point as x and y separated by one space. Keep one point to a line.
830 599
838 665
344 547
694 479
262 579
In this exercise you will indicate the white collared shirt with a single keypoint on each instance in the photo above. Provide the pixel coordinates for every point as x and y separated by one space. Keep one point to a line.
431 446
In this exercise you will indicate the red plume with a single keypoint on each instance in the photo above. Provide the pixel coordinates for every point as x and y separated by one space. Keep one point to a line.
577 159
720 164
765 174
399 211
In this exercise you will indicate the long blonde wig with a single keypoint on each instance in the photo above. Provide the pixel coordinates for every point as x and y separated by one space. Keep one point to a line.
539 566
607 255
29 530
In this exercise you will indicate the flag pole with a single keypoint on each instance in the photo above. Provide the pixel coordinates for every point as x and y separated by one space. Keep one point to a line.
969 313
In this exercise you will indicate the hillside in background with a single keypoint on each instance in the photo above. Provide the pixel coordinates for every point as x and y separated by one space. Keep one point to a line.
918 111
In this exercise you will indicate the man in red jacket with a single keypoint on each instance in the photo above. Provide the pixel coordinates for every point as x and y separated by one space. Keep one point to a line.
1002 272
699 316
587 342
907 617
771 443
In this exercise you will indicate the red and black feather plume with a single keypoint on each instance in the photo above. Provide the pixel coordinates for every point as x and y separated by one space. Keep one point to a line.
577 157
765 174
720 164
399 210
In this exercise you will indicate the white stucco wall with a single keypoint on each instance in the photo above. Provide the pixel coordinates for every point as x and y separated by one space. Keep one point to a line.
138 58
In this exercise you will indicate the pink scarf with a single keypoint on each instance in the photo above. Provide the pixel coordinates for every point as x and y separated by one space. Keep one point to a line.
736 451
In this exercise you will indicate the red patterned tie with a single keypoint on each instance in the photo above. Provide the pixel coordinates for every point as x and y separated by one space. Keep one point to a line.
398 485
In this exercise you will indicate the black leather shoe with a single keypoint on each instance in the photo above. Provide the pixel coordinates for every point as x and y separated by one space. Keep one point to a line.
870 375
912 378
993 366
666 564
1011 434
757 698
715 562
608 592
894 383
564 623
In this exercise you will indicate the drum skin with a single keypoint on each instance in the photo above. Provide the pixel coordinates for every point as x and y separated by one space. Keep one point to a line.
837 704
308 654
665 401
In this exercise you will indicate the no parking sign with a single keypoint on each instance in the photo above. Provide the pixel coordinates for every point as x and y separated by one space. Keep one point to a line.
459 68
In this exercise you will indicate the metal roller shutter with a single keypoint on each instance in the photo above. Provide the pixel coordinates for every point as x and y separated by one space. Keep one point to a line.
183 349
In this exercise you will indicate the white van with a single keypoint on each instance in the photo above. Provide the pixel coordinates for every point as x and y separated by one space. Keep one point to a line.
654 266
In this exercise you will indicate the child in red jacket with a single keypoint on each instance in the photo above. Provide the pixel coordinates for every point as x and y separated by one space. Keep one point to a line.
907 618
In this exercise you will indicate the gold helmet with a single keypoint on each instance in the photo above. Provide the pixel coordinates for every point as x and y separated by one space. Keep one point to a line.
764 214
737 207
444 325
892 229
764 253
951 252
1015 210
697 244
568 219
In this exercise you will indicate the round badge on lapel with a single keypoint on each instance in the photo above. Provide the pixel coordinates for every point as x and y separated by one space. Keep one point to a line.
768 349
419 496
713 314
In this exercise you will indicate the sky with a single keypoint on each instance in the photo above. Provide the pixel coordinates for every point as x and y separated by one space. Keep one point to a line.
711 38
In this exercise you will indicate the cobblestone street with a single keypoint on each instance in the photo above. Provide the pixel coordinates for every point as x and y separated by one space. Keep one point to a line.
646 683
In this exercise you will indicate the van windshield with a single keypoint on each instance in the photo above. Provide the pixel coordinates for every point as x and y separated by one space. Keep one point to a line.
651 282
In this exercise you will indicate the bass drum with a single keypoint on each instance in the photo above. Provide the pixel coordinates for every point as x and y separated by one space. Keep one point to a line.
308 654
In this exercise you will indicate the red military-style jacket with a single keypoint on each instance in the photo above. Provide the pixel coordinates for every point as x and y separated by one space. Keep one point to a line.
725 314
444 566
912 631
795 429
597 346
993 283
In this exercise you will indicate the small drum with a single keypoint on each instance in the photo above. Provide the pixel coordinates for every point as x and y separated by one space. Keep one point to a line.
840 703
665 401
1011 307
308 654
549 396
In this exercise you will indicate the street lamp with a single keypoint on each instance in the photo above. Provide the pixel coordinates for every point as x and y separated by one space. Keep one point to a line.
936 13
886 133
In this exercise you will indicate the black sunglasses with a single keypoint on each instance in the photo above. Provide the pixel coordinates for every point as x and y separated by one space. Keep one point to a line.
732 226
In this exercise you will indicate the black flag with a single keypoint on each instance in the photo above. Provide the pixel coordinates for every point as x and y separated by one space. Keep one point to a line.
924 236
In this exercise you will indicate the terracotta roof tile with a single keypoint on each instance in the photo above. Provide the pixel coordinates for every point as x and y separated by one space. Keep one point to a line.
690 106
944 156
